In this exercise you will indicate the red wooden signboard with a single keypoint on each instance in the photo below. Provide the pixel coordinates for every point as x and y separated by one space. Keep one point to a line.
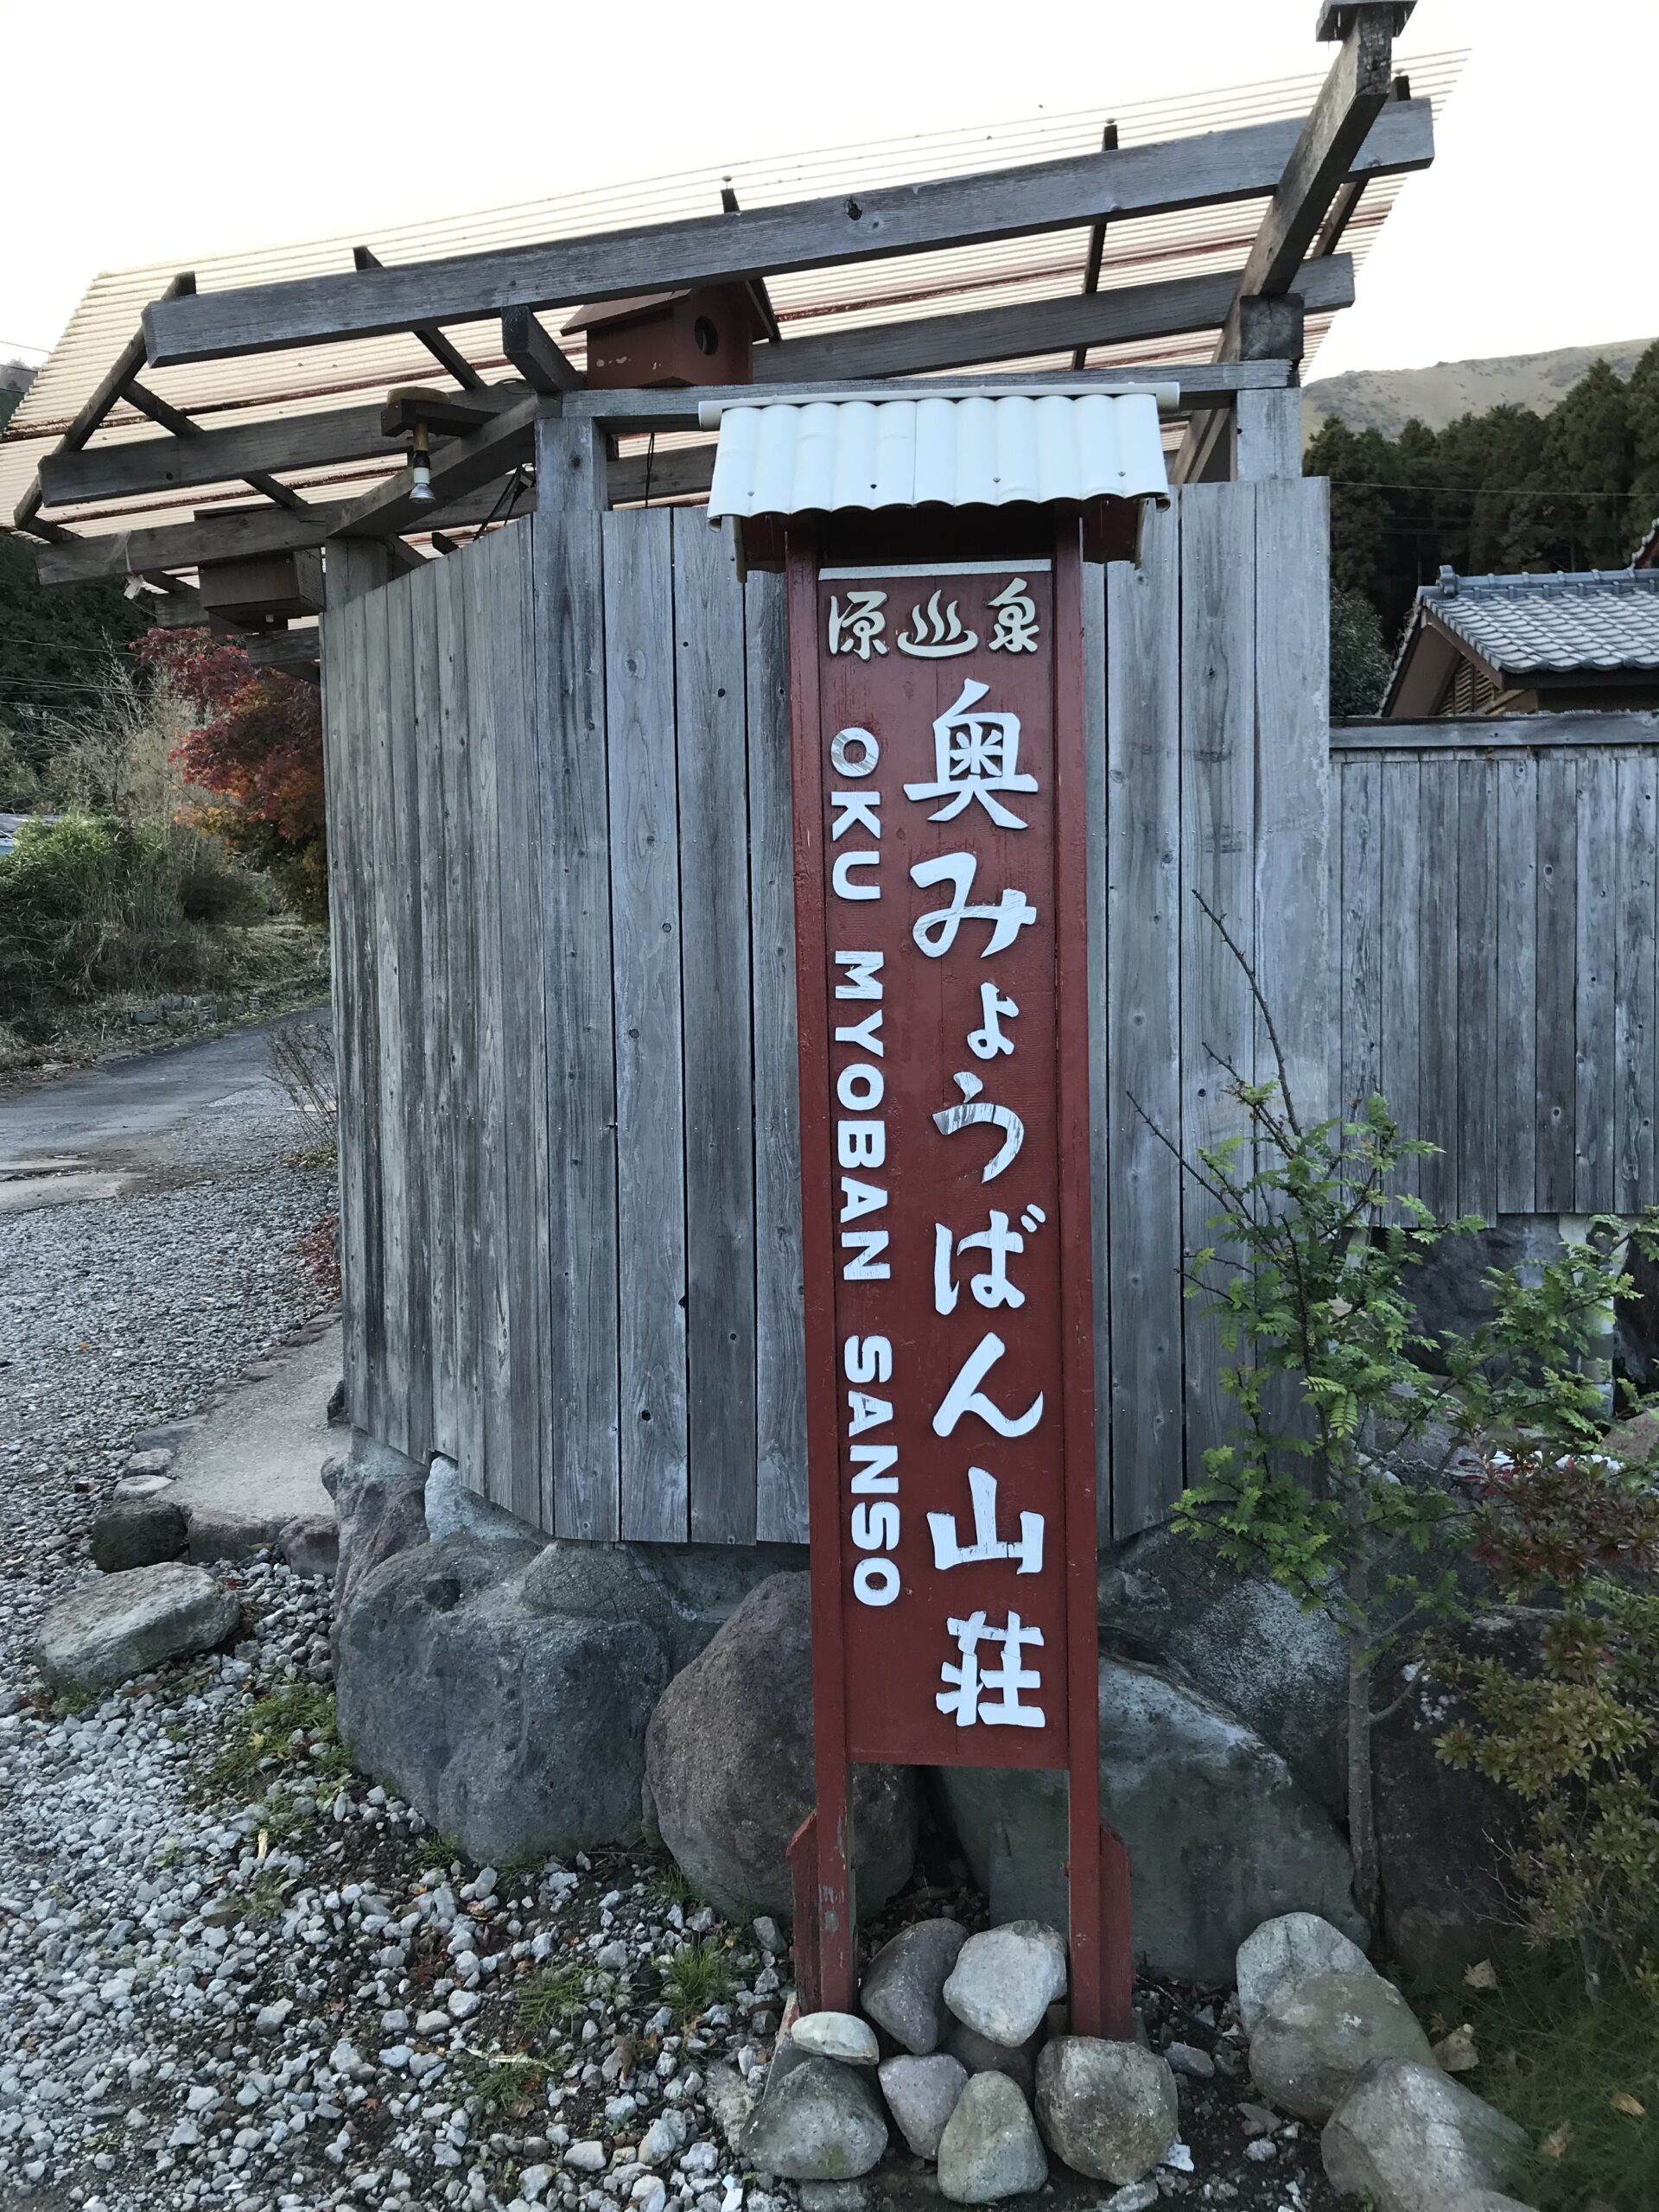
942 947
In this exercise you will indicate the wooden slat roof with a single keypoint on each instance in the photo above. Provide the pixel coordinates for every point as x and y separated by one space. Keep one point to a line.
269 386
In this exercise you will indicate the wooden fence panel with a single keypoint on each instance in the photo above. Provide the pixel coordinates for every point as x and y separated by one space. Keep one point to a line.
715 909
1516 962
779 1329
1143 1016
1633 1014
1218 848
1513 948
649 1036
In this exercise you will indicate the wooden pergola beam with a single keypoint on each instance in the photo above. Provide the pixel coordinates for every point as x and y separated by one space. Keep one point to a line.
533 354
433 338
225 456
182 427
1124 316
241 533
460 466
98 404
1166 177
1352 102
1121 317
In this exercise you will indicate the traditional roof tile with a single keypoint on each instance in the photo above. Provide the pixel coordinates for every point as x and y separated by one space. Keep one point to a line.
1603 619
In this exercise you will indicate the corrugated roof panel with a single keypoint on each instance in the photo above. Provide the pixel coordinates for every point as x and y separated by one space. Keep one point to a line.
782 458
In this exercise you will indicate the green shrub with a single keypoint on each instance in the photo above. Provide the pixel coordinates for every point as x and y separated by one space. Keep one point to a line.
90 906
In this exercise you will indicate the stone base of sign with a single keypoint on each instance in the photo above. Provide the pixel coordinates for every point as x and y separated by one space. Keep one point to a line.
1221 1729
1221 1834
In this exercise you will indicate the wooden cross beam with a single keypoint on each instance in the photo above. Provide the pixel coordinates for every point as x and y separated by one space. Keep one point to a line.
1125 314
1175 174
533 354
430 336
1351 101
104 396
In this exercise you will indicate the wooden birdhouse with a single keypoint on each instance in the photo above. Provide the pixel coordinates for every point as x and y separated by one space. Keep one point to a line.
702 336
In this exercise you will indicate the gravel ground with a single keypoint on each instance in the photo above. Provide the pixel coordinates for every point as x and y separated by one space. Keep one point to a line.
232 1972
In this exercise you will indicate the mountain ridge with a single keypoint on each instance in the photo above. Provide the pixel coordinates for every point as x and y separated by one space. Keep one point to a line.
1387 399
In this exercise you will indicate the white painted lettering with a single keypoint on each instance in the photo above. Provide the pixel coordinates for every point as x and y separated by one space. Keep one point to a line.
862 969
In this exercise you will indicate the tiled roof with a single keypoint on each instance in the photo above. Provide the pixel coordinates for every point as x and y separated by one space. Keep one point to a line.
1605 619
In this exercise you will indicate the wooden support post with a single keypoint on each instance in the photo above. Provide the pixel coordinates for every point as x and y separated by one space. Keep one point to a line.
1266 435
533 354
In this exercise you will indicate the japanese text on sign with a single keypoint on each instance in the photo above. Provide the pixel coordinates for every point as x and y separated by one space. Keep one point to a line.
937 749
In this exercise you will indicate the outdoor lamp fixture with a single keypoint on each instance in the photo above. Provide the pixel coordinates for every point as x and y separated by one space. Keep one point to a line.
421 459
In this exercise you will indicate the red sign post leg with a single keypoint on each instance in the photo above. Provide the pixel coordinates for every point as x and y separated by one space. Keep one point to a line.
941 895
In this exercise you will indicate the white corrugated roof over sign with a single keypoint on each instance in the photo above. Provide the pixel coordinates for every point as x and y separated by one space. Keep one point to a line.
782 459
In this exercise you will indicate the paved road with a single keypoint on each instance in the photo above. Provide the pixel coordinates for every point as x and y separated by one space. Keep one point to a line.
125 1110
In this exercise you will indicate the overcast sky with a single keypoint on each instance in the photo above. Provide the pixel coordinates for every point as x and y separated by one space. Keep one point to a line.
139 134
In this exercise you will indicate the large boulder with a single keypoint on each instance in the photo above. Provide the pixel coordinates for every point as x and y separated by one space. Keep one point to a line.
138 1532
132 1621
380 1504
519 1730
728 1758
1168 1601
1109 2109
683 1594
1413 2141
1310 2047
1221 1834
1444 1835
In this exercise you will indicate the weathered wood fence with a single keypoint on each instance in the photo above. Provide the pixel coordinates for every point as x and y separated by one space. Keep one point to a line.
1495 895
558 767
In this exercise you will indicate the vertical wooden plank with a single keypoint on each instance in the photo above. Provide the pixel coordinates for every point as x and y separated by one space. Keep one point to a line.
1436 979
462 863
405 919
1596 1085
1557 1001
639 634
1360 908
780 1350
523 1020
1402 867
389 1098
1217 867
1517 983
581 1045
344 694
1100 1073
1293 772
1478 937
709 679
1143 1024
1635 982
493 1476
435 1128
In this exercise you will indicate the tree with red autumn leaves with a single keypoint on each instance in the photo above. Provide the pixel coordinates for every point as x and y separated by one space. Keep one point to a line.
258 746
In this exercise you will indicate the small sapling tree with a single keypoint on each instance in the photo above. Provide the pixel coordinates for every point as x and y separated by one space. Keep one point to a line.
1342 1478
